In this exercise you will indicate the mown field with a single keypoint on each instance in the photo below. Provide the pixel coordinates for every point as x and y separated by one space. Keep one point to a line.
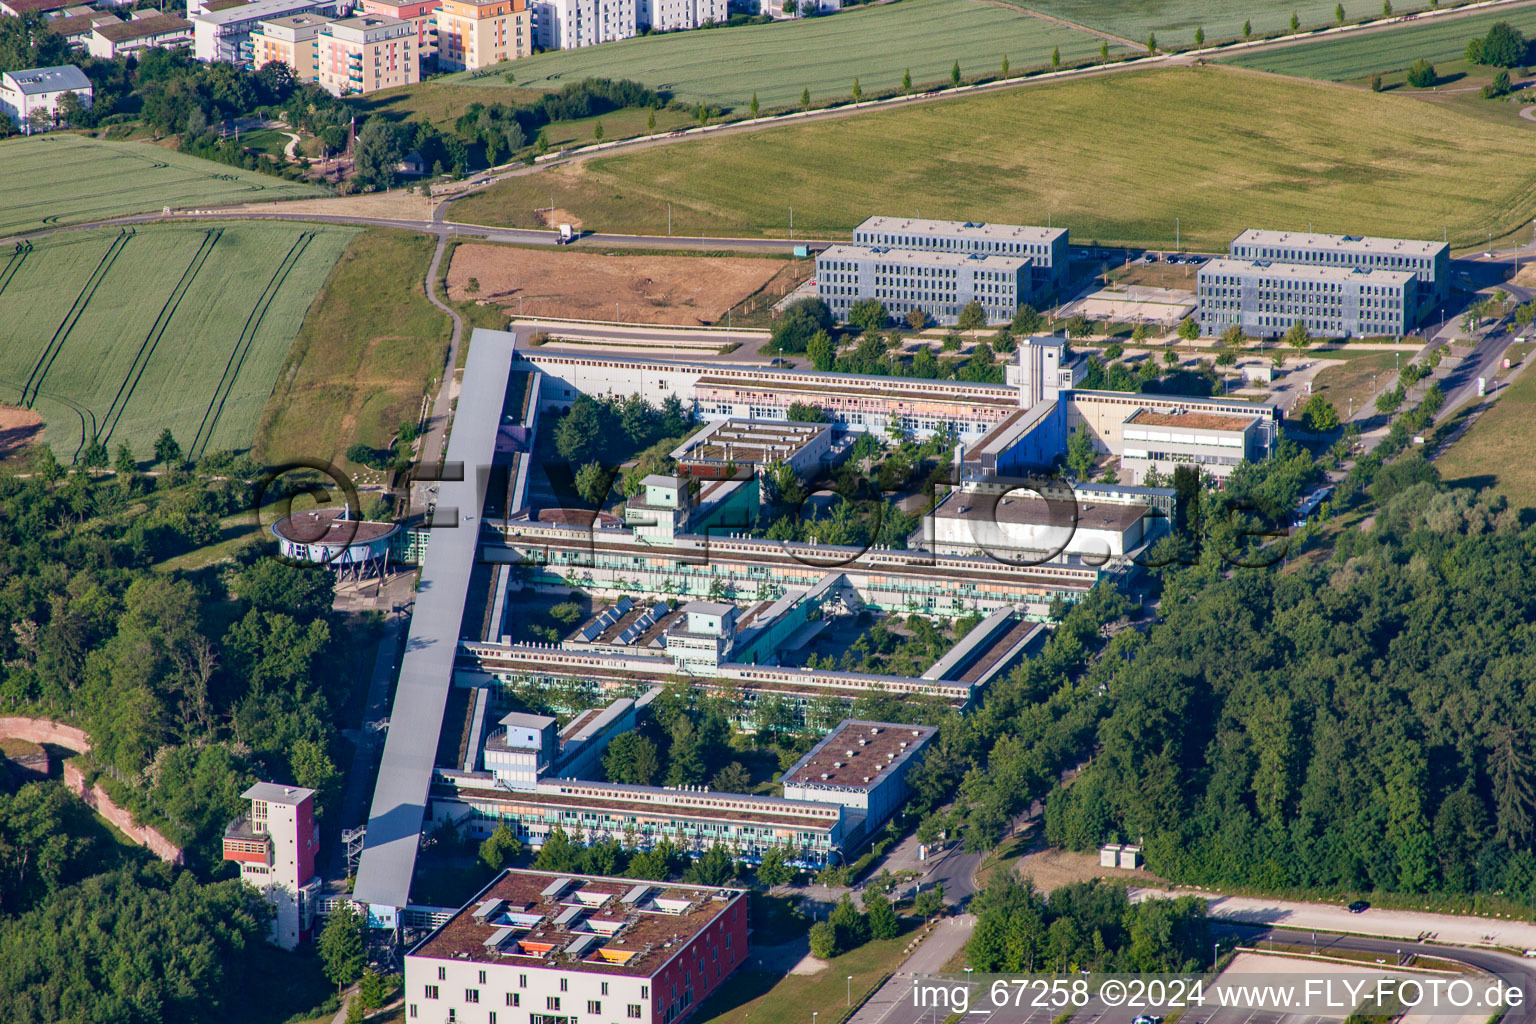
825 55
364 357
1175 21
1349 57
1115 158
120 335
69 179
1496 450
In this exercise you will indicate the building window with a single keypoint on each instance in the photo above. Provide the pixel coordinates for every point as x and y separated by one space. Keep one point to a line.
605 988
594 1006
442 974
471 995
482 977
634 1011
413 1009
565 984
551 1002
431 992
514 999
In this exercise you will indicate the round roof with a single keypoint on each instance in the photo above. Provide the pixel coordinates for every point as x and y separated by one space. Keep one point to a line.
325 527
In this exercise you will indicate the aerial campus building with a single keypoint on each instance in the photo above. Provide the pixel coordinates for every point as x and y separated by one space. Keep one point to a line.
1428 262
939 267
685 595
1264 299
275 845
535 947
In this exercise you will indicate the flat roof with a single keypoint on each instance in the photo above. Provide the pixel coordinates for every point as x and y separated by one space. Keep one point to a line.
1024 508
748 440
1306 271
273 793
297 20
431 648
143 28
523 720
326 527
1191 420
709 607
256 10
961 229
592 924
858 755
1340 243
925 257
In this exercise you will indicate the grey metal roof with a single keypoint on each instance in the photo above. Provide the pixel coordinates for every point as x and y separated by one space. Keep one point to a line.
272 793
38 81
959 229
923 257
1303 271
426 670
1318 242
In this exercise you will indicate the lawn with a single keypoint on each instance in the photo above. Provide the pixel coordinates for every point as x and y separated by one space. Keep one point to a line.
121 335
1349 384
1175 21
873 44
1115 158
69 179
1496 450
364 358
767 998
1349 57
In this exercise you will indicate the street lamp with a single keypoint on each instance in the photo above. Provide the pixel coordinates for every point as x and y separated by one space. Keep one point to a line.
850 990
1215 954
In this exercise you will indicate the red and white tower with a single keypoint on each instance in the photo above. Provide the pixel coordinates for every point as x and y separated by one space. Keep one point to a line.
275 846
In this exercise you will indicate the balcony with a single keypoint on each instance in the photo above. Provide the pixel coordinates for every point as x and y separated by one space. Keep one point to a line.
244 844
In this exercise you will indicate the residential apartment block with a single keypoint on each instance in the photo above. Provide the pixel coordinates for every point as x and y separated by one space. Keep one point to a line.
535 946
1429 262
570 24
940 284
1044 248
1265 298
226 34
292 40
478 33
36 92
672 15
139 33
359 55
275 845
420 13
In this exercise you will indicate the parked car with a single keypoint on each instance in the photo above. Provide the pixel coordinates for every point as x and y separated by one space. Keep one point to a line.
1359 907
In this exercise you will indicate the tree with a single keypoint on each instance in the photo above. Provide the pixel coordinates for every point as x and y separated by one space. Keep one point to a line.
805 98
954 74
753 104
702 114
930 902
1298 337
1200 36
593 483
822 353
868 314
500 848
1170 357
1338 13
1247 29
916 319
1056 57
1103 51
167 451
69 109
1151 43
1375 81
314 769
906 80
881 916
1504 46
972 317
1320 415
597 130
579 434
650 120
559 853
94 454
713 867
733 778
631 758
1188 329
1080 454
378 152
1027 320
1421 75
124 465
685 754
804 412
1386 8
850 926
1498 87
801 320
858 93
1295 22
342 952
370 989
1005 66
824 941
775 869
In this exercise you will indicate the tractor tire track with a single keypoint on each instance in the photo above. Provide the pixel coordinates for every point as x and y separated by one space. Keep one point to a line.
51 351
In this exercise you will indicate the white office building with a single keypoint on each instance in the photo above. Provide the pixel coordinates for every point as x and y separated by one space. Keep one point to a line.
940 284
1428 262
1046 249
38 91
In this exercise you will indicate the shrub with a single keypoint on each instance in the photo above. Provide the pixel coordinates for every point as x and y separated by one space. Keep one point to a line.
1422 74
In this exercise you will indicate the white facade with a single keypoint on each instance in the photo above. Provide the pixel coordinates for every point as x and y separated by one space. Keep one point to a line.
23 93
569 24
671 15
275 846
1021 524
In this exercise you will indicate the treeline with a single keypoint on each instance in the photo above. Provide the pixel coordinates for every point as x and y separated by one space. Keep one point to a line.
1362 721
1089 926
190 685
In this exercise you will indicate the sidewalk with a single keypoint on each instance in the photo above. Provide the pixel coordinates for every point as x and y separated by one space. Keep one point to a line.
946 939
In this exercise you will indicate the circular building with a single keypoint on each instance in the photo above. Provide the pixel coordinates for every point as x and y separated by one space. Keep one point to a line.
330 536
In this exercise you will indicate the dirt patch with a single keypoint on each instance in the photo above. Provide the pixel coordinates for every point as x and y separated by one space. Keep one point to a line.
395 205
1525 276
680 290
1052 869
18 429
553 219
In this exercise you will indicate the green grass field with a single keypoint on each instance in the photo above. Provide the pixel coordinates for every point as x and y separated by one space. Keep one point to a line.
1115 158
69 179
181 326
1175 21
1496 450
1349 57
825 55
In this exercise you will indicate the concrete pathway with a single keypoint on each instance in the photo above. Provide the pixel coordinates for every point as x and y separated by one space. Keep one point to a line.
948 937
